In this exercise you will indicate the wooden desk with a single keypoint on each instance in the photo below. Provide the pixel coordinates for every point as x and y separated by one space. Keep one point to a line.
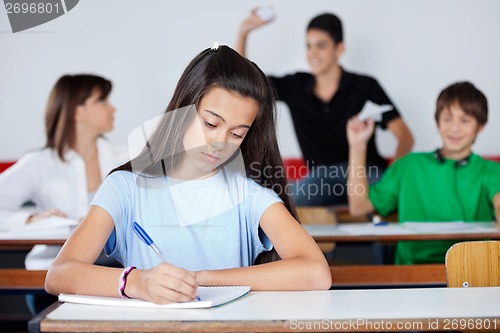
427 309
393 232
350 232
358 276
343 276
20 241
373 276
18 280
12 279
27 244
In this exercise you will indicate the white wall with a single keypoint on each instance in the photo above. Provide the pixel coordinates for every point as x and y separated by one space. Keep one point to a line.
414 49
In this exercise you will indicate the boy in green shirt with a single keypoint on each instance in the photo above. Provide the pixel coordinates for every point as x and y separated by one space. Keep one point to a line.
449 184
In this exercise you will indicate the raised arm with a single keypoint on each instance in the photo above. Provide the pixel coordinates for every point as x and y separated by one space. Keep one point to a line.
250 23
405 139
358 134
303 265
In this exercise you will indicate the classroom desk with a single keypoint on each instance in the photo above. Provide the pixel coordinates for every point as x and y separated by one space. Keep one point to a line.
23 241
343 277
24 281
347 276
445 309
393 232
27 244
348 232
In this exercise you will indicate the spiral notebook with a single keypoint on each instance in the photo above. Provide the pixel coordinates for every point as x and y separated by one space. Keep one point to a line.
209 297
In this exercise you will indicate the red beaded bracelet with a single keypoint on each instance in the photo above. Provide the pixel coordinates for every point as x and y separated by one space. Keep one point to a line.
123 280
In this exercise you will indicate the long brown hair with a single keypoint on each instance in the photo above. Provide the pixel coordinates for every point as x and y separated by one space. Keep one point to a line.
69 92
225 68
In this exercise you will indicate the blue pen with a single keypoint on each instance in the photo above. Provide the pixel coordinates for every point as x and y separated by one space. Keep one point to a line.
146 239
143 235
377 221
381 223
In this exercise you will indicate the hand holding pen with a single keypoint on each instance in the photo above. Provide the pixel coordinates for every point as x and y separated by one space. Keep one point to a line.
169 274
377 221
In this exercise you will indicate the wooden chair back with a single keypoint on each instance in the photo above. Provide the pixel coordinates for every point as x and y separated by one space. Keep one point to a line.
473 264
318 215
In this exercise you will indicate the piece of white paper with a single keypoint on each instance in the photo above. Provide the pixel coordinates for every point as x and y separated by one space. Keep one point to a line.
209 297
265 13
53 227
46 224
369 229
446 227
373 111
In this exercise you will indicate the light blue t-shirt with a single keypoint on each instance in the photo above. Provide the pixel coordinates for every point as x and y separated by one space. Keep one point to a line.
211 223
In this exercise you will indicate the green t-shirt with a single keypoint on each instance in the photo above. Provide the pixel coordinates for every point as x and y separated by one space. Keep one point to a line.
422 189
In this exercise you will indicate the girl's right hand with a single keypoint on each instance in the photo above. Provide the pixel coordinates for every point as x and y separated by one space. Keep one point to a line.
252 22
162 284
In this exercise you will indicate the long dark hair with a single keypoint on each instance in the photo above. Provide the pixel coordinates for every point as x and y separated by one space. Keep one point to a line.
69 92
225 68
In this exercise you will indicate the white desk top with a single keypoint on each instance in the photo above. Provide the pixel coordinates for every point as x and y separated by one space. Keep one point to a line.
374 304
53 227
344 230
53 235
403 231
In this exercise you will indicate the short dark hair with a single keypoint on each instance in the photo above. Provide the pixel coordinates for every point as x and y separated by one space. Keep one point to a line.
329 23
470 99
69 92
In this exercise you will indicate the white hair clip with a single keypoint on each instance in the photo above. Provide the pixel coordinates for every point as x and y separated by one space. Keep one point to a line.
215 46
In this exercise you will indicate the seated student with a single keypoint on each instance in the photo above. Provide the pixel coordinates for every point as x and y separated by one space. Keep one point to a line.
222 103
449 184
61 178
321 102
